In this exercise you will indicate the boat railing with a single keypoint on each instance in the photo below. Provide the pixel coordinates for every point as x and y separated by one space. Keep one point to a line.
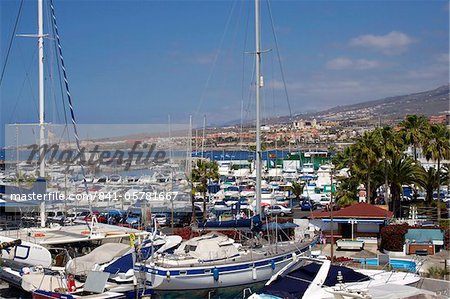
245 291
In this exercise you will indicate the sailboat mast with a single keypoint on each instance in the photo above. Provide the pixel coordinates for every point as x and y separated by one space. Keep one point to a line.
258 109
41 101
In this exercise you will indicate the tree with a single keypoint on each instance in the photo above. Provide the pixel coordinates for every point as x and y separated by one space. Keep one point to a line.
402 170
428 180
347 191
297 189
392 144
437 148
367 152
414 130
203 172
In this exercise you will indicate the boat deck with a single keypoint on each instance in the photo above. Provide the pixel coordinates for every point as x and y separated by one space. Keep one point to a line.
247 255
71 234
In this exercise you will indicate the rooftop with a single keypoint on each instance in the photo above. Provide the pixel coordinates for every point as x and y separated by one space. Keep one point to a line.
358 211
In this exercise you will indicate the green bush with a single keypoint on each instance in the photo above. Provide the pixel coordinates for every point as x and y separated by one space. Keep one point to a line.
436 272
444 224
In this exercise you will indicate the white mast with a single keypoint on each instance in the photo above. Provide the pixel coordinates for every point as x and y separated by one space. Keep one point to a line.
189 150
258 109
203 134
41 100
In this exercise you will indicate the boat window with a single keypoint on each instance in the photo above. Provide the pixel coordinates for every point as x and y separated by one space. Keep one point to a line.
183 272
22 252
189 248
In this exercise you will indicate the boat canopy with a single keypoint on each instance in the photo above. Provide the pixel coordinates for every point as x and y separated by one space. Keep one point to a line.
100 255
295 283
210 247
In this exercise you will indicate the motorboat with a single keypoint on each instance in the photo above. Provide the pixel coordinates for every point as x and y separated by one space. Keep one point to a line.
307 277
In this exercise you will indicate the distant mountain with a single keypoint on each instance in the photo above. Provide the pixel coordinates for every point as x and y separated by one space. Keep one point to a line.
431 102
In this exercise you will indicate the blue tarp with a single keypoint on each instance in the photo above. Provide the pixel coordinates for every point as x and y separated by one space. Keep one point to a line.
424 235
274 225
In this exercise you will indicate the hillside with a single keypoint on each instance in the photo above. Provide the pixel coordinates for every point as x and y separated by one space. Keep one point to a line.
431 102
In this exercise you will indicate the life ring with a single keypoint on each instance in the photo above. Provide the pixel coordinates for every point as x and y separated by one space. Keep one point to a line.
39 235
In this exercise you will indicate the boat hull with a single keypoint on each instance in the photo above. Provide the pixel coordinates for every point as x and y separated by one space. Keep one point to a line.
212 276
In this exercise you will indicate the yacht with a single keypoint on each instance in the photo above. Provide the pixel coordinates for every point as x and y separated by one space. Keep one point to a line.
215 261
307 277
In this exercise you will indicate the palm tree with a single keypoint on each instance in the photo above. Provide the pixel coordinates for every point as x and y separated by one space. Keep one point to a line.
367 152
429 181
297 190
402 170
347 190
203 172
392 144
414 130
437 148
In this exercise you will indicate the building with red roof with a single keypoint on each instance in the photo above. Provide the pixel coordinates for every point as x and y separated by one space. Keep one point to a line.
357 220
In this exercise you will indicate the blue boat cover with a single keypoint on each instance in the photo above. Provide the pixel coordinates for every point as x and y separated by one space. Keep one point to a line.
294 284
254 222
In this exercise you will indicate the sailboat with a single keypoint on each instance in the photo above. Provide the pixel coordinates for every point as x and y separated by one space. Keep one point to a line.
214 260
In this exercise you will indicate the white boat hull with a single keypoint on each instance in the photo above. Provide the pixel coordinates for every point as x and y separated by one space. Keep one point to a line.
229 275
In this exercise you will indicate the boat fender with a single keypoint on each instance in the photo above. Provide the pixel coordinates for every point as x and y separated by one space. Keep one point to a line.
272 264
294 256
215 272
25 271
71 283
254 276
168 275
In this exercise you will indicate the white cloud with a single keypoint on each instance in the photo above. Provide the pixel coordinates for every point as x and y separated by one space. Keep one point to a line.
443 58
206 58
394 42
342 63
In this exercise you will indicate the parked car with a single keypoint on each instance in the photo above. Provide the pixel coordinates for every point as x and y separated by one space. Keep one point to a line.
111 216
278 210
55 216
307 205
133 219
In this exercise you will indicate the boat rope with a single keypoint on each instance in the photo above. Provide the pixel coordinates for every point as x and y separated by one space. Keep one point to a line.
69 98
11 41
279 58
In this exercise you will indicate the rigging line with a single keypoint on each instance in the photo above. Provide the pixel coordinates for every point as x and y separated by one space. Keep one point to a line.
279 57
61 89
48 73
202 96
29 71
50 70
243 73
11 41
66 83
55 44
26 79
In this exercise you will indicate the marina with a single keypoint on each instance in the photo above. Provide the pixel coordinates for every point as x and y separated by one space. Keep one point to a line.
282 207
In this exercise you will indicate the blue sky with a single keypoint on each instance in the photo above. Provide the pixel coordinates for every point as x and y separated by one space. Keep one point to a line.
138 61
